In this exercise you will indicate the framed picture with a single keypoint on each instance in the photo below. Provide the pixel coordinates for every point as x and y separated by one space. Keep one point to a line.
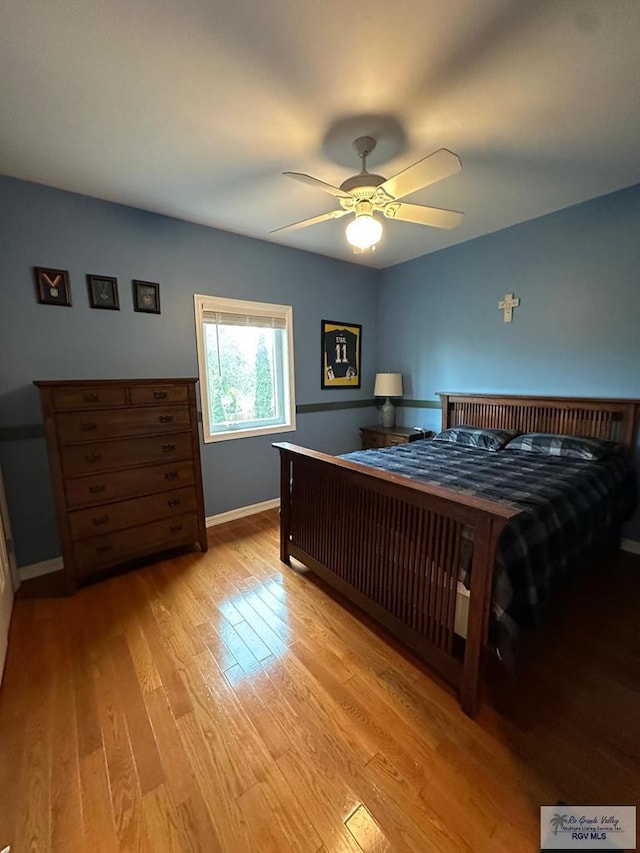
146 297
53 286
341 354
103 292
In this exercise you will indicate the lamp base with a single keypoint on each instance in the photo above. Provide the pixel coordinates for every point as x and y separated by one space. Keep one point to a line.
388 414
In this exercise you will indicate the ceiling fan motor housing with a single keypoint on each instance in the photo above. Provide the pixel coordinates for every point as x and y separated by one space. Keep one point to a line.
362 185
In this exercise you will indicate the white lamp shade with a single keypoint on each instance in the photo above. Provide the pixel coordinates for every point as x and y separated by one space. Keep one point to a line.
388 385
364 231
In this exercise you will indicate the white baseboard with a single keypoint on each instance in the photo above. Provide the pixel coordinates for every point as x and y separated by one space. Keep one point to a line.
630 545
34 570
242 512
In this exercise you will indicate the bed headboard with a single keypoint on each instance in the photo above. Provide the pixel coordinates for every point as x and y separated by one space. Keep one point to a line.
616 420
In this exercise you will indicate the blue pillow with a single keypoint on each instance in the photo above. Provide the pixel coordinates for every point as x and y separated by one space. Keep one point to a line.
470 436
569 446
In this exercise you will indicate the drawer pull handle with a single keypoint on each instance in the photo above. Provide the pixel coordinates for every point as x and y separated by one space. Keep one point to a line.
171 475
166 419
93 457
159 395
87 426
175 528
91 397
97 489
104 549
100 519
174 502
168 448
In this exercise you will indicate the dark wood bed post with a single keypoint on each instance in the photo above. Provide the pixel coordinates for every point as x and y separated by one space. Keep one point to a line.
486 537
285 506
444 405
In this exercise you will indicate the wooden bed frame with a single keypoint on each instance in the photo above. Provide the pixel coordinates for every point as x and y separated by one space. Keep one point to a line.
393 546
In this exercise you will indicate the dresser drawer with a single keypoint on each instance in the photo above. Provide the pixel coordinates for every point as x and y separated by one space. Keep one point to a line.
85 491
114 548
90 426
88 397
101 456
141 394
118 516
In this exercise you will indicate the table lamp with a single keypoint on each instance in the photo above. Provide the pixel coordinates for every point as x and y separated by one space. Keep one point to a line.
388 385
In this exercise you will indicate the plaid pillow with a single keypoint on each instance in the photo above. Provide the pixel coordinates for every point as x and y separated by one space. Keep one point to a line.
470 436
572 446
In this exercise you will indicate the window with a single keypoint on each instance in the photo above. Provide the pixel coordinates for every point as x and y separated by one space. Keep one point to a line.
245 357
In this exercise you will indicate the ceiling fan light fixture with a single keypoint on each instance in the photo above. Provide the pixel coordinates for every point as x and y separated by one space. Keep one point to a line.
364 232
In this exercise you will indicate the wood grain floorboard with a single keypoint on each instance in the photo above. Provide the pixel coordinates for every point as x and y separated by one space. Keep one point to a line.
176 768
253 697
126 797
164 663
327 800
141 736
65 798
87 720
224 703
32 819
221 804
98 816
275 819
367 833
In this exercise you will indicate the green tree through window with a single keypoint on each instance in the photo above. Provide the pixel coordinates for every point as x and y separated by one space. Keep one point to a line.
264 381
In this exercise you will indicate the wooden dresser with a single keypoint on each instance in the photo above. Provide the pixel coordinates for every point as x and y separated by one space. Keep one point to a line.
125 463
379 436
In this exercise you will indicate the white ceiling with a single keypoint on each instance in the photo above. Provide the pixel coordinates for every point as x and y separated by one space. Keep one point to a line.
193 108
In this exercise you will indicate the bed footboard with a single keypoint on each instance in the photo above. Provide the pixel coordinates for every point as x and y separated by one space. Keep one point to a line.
394 548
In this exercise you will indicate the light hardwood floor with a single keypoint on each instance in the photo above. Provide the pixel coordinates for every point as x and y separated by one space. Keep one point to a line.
222 702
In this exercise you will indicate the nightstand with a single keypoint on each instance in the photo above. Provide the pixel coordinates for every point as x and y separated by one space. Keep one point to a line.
379 436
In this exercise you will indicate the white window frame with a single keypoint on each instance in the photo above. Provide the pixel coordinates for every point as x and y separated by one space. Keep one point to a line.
223 304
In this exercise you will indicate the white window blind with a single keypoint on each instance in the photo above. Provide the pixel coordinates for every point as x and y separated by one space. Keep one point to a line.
257 321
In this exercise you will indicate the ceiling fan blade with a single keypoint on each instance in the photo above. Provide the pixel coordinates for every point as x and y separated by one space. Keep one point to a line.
333 214
422 215
320 185
433 168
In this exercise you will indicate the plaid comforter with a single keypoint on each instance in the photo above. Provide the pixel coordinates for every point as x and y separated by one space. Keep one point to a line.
566 505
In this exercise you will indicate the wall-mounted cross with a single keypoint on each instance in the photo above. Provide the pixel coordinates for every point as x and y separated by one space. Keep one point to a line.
507 304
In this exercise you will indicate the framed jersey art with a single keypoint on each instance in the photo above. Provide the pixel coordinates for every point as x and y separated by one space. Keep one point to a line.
341 354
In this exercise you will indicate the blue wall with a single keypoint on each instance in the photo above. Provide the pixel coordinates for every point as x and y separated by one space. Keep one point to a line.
40 226
576 332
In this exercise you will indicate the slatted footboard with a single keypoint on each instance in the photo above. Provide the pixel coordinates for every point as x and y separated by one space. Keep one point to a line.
394 547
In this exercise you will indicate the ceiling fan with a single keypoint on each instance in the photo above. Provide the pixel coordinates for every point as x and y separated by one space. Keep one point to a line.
366 194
